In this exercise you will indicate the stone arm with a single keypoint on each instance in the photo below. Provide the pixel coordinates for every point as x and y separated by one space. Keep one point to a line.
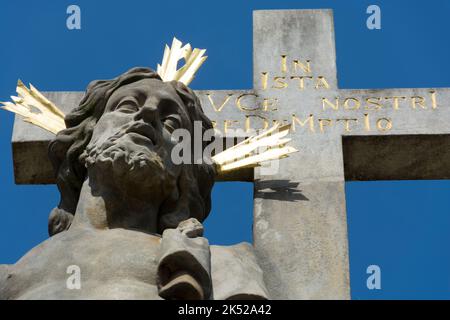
184 267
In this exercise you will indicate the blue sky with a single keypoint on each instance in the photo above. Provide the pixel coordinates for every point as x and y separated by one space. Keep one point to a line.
404 227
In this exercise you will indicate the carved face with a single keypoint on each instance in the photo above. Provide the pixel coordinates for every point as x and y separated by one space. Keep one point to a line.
131 143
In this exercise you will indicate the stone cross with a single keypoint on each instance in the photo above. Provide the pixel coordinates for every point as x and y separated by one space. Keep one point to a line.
300 224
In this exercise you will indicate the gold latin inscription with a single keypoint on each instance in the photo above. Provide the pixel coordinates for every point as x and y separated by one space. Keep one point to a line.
433 99
297 65
301 82
377 103
243 107
366 122
418 101
312 123
373 103
325 123
322 83
296 120
249 123
347 123
224 102
283 63
352 104
307 124
264 79
384 124
279 83
228 124
395 100
304 67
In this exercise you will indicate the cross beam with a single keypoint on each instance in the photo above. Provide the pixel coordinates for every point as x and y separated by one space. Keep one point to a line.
300 225
226 108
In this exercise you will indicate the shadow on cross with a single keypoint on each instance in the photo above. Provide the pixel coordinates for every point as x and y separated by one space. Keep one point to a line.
283 190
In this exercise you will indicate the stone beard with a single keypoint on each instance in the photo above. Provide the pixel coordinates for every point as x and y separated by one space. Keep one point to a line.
133 161
126 158
129 218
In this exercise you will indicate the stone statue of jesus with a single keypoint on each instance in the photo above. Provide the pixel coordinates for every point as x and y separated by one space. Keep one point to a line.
129 218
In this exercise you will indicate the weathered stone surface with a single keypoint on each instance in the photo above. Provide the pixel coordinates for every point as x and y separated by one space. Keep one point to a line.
119 264
236 273
300 236
114 264
300 220
191 228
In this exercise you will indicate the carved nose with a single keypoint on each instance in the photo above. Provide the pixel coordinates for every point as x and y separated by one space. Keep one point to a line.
149 114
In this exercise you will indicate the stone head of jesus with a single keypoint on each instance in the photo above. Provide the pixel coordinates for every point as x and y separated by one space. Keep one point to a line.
121 136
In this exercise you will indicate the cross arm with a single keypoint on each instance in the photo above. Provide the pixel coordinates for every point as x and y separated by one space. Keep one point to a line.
30 143
392 134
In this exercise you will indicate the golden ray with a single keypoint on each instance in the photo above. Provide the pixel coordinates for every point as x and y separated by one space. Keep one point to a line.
168 71
35 108
248 153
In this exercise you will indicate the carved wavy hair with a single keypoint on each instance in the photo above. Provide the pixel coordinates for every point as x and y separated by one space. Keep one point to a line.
66 150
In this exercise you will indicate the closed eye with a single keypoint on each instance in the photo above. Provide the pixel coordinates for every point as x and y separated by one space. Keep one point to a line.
172 122
127 105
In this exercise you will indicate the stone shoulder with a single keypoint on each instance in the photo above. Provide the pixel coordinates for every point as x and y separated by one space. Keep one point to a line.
4 271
